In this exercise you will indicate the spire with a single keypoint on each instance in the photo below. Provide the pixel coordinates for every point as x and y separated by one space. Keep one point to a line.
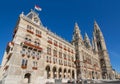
98 37
76 28
86 38
96 27
76 33
87 41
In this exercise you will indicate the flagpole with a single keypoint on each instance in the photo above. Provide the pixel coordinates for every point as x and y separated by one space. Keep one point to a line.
34 8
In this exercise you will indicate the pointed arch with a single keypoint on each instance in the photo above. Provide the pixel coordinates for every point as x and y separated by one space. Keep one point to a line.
28 77
60 72
73 74
48 71
65 72
54 72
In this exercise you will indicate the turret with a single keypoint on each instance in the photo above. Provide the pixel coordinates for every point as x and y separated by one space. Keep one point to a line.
100 47
94 43
76 33
87 41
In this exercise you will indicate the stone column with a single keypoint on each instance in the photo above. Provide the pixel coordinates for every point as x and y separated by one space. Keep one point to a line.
51 74
75 74
61 74
57 74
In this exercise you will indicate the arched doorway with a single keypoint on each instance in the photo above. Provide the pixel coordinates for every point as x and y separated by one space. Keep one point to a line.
60 73
54 72
48 71
73 74
96 75
28 77
93 75
69 73
65 73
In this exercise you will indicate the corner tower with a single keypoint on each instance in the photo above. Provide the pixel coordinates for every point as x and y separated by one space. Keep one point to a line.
24 54
77 41
100 47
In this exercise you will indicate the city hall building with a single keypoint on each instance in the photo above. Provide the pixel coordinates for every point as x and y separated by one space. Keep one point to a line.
36 55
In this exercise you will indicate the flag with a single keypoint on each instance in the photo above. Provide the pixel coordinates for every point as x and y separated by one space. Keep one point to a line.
38 8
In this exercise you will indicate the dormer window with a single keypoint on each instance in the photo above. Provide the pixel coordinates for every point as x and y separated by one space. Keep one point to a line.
34 17
36 20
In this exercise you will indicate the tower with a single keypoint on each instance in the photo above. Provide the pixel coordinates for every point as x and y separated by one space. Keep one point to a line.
100 48
77 41
87 41
24 54
87 66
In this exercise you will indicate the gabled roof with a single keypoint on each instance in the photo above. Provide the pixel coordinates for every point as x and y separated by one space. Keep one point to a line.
34 16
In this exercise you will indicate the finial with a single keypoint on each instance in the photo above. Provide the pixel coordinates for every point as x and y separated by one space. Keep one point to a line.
22 13
76 24
86 36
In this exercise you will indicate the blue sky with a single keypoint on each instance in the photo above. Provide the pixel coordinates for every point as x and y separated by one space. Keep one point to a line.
60 15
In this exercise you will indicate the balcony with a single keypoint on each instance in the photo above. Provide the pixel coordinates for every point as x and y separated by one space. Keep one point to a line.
38 35
23 67
60 46
65 49
33 46
49 41
34 68
30 31
55 44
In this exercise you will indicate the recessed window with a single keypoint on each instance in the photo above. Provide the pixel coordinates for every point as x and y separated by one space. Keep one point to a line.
38 32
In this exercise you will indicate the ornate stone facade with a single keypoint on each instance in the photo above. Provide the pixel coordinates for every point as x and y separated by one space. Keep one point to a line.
36 55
